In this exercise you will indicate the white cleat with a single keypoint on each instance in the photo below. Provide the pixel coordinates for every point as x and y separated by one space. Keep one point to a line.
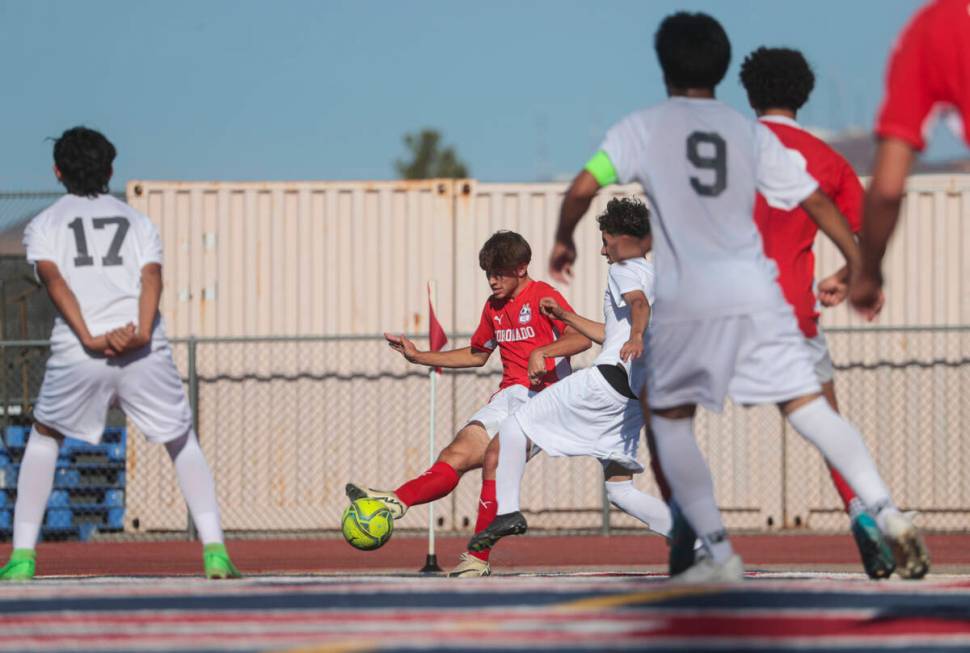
394 505
470 567
912 556
705 570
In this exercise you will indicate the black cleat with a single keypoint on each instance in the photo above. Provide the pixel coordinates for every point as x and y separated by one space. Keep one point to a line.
682 541
513 523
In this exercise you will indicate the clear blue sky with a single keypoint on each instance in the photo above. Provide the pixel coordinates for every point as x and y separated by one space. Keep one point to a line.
324 90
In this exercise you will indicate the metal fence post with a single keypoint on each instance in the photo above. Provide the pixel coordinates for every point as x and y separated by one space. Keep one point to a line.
605 525
194 404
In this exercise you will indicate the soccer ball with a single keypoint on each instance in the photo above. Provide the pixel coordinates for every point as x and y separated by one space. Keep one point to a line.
367 524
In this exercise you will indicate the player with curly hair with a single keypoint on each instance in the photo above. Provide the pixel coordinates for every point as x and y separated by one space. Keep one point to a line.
721 324
778 82
596 411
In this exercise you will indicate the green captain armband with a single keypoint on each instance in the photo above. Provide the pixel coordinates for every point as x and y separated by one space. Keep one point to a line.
602 169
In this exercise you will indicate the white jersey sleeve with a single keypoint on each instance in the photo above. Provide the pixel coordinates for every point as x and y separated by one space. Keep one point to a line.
779 178
151 243
624 278
623 144
37 243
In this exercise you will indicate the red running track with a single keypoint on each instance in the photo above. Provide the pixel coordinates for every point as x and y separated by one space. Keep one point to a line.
268 556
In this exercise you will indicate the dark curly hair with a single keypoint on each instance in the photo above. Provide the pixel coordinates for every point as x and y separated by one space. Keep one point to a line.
504 251
625 217
84 157
693 49
777 78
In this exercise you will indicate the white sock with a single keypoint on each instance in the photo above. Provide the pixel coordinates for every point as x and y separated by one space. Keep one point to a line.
511 465
844 449
691 485
34 484
650 510
198 486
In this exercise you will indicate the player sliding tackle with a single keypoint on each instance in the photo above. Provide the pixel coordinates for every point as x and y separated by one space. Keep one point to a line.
595 412
721 324
101 262
535 351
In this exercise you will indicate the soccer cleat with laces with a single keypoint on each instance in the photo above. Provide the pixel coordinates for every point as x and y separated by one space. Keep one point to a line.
705 570
877 556
513 523
21 566
396 507
912 556
217 564
470 567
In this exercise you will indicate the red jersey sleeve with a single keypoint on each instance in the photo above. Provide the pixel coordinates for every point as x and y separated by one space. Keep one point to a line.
484 336
848 197
909 97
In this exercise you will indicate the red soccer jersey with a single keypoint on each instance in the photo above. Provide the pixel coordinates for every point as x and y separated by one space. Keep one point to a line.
517 327
789 235
929 67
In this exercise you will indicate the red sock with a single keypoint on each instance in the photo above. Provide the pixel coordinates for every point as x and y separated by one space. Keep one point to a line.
435 483
487 507
842 487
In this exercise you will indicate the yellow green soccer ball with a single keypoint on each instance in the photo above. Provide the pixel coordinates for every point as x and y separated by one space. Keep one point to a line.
367 524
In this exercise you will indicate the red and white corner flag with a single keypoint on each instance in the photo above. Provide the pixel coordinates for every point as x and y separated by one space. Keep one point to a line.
436 333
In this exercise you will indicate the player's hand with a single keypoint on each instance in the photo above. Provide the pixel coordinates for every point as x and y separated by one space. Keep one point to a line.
551 308
97 344
865 294
561 261
537 367
832 290
125 339
403 346
631 350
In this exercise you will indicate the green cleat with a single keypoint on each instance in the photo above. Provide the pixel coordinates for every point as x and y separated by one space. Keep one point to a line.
217 563
20 567
877 557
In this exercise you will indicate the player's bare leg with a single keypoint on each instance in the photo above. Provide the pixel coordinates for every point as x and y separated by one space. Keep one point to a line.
34 485
692 488
466 452
842 446
474 564
877 557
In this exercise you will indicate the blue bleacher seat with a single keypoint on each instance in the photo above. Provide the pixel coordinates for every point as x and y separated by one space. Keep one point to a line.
16 436
6 518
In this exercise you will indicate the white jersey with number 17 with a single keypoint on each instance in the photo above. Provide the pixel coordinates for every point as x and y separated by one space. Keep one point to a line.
99 245
700 163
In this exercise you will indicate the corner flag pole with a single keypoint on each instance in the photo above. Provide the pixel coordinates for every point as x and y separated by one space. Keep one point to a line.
436 340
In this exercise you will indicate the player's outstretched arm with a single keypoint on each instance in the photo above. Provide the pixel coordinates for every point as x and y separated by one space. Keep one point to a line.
576 202
455 358
880 213
67 305
639 319
595 331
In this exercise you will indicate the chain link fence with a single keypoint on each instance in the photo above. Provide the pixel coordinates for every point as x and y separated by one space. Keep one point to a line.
287 422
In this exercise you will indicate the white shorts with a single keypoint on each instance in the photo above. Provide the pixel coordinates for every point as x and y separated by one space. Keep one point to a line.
824 371
75 397
762 358
583 415
502 404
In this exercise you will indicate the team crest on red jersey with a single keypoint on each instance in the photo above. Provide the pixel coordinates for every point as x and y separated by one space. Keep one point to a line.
525 315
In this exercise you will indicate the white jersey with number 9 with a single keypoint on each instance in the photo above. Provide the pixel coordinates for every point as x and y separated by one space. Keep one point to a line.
700 163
